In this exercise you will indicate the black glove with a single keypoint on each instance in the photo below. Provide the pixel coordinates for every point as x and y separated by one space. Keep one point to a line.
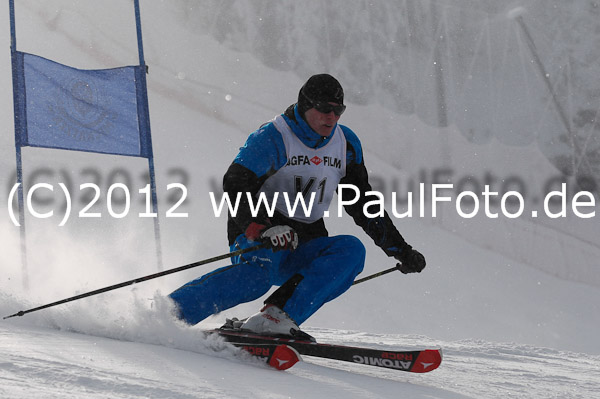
412 260
385 235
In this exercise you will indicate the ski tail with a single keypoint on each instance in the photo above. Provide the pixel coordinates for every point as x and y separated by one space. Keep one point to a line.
284 357
278 356
427 360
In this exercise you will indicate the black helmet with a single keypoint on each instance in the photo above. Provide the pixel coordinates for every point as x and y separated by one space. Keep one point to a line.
322 88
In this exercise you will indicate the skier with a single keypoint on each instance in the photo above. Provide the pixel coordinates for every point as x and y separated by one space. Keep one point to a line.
305 151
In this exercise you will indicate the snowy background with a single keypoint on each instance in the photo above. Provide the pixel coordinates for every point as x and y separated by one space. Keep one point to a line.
437 93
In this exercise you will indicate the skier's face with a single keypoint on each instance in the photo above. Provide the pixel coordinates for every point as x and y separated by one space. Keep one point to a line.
320 122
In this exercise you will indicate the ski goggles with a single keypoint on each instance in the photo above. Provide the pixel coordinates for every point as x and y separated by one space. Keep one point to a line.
325 107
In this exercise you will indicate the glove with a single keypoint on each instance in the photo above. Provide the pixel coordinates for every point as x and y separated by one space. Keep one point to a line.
279 237
412 260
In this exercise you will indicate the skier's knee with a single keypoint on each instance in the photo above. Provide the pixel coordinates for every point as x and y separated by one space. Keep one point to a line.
355 252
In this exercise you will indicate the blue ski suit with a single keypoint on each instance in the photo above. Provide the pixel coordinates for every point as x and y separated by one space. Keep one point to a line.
320 269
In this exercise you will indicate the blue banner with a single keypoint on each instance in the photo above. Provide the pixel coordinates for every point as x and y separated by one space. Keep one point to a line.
84 110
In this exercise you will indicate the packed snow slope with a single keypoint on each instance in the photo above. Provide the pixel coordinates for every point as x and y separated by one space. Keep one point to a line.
147 355
526 328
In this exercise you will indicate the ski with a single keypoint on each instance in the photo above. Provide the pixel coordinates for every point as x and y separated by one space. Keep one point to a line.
414 361
279 356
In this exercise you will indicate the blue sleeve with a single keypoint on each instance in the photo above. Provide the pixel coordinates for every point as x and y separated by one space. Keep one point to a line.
354 152
264 151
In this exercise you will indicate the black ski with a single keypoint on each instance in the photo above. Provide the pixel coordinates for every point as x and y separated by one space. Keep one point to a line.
414 361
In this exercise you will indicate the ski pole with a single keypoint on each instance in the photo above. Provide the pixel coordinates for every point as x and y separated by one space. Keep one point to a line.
381 273
141 279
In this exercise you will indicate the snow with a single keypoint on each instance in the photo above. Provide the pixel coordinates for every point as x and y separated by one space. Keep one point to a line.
516 12
515 305
158 358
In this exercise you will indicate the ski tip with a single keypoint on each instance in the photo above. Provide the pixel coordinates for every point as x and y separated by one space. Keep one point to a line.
284 357
427 361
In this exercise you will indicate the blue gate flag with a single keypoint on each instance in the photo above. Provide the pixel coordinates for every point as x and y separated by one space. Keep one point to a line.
84 110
